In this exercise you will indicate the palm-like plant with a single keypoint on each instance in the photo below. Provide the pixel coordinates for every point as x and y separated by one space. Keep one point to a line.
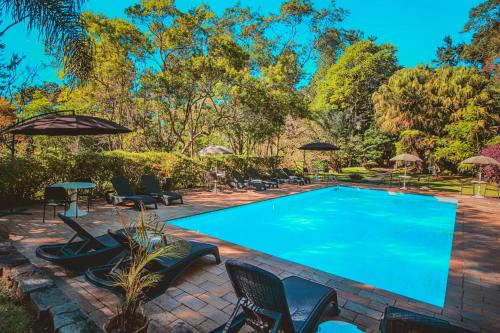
58 22
147 239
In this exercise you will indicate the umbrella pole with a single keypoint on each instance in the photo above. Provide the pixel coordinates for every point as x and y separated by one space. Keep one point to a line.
478 195
404 179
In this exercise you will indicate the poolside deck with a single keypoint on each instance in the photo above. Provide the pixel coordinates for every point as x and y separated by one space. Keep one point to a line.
203 298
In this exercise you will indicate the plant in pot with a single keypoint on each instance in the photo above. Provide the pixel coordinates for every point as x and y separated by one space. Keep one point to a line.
148 242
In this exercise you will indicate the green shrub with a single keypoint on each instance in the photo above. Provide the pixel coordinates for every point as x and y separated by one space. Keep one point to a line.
25 179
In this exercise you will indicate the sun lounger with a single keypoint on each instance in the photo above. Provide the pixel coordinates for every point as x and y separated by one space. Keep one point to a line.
291 305
254 176
152 188
258 185
125 191
82 251
397 320
168 268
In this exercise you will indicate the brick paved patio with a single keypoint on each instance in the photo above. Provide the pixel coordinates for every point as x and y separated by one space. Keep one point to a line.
203 298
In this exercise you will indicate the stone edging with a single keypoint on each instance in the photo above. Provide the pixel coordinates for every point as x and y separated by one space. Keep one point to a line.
39 291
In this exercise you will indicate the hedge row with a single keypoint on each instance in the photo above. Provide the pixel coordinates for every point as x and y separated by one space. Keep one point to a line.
25 179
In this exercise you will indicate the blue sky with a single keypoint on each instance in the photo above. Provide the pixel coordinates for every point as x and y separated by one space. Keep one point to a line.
415 27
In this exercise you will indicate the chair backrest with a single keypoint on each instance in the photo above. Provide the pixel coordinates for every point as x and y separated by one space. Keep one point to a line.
81 232
210 176
150 184
238 177
83 180
252 174
122 186
262 288
55 193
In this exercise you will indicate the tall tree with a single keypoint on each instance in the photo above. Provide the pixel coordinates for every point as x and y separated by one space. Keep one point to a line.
59 24
343 102
448 54
484 49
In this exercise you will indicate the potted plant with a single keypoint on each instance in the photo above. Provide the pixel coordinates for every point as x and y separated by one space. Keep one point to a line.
146 238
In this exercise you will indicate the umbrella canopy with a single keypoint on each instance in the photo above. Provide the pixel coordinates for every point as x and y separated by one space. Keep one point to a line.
480 160
70 125
215 150
319 146
406 158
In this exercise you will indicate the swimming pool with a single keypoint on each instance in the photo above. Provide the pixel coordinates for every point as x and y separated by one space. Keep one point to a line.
397 242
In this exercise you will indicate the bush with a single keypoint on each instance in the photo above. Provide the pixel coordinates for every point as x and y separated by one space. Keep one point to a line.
25 179
491 173
356 176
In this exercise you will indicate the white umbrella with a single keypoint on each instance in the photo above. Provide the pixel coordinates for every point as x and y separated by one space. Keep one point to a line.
480 160
215 150
405 158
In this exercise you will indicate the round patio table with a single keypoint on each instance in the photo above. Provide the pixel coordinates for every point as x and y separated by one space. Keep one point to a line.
72 188
337 326
479 183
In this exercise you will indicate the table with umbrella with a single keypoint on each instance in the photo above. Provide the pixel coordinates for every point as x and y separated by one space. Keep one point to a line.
481 161
317 146
60 123
213 151
405 158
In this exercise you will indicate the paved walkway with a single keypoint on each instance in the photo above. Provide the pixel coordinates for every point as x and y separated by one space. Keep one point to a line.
203 298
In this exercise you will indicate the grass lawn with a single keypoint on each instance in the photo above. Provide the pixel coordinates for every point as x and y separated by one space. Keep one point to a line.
14 317
451 184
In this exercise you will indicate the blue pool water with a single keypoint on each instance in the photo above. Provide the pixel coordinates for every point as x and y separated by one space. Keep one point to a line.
397 242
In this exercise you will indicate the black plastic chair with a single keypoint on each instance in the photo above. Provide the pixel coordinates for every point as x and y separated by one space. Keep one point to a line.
82 251
269 304
55 196
257 184
255 177
152 187
168 268
398 320
86 194
125 190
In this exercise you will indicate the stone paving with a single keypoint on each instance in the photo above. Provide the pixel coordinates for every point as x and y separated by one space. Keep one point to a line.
203 298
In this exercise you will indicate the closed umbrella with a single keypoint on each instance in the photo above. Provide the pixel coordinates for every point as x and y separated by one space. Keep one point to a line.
215 150
480 160
405 158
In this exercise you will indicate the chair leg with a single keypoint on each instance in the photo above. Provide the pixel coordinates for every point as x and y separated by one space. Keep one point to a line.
54 211
44 207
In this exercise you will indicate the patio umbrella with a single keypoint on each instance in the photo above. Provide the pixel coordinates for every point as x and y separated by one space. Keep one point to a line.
69 125
60 123
215 150
480 160
317 146
405 158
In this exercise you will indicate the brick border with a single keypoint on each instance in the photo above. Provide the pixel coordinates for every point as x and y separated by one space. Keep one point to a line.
36 289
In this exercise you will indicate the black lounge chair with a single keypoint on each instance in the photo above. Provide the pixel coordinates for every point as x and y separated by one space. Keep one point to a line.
168 268
257 184
300 180
291 305
78 255
398 320
124 190
152 188
254 176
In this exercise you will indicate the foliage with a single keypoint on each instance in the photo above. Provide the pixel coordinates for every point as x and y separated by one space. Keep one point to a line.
447 112
15 317
448 54
484 49
59 23
26 178
491 173
146 237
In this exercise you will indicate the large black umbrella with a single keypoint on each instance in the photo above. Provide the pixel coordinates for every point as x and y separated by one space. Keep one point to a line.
317 146
68 125
60 123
